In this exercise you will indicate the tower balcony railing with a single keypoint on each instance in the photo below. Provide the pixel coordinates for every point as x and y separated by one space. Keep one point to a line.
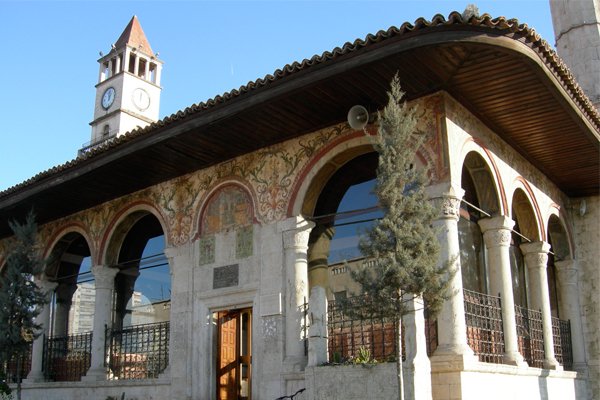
138 352
67 358
95 143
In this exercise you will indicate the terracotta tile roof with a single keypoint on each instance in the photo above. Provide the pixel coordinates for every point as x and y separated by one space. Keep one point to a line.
507 27
134 36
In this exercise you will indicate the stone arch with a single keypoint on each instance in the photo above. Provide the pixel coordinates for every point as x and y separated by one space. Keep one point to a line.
135 246
523 212
120 225
480 183
229 204
69 264
73 227
559 238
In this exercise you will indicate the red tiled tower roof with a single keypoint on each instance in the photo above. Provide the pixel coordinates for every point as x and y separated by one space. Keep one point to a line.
134 36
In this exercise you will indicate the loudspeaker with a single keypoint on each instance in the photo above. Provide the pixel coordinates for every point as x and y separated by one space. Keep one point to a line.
358 117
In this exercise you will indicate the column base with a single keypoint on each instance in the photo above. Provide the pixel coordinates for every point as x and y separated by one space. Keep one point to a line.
34 378
515 359
294 363
446 361
552 364
94 375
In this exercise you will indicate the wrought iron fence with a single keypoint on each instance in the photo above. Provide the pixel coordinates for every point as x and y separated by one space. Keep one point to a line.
485 335
18 367
351 327
530 335
67 358
561 332
138 352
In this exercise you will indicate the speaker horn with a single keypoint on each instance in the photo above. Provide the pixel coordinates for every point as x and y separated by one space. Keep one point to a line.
358 117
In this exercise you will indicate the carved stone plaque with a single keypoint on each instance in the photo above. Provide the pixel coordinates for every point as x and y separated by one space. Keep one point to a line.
226 276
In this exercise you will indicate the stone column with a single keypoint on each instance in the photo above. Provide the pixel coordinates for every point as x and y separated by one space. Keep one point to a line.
104 284
497 237
36 374
536 260
569 308
317 332
452 327
64 299
318 265
118 64
136 64
295 244
417 369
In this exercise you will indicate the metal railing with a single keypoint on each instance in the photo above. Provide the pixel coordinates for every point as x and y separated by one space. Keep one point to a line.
561 332
138 352
530 336
10 369
348 332
485 335
92 144
67 358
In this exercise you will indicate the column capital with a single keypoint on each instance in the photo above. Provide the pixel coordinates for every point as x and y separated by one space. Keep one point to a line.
496 230
296 231
46 286
567 272
104 276
535 254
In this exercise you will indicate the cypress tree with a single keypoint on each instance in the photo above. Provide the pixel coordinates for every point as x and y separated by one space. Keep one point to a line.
403 244
20 298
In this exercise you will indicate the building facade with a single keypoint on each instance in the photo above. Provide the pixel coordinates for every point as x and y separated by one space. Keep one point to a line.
217 258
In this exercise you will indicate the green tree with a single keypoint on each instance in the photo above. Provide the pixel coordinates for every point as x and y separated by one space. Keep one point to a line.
20 298
403 244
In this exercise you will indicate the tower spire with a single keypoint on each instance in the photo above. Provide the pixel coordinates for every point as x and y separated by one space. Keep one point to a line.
134 36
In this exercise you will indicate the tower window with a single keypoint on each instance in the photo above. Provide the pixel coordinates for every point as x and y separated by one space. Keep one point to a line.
152 76
142 68
105 131
131 67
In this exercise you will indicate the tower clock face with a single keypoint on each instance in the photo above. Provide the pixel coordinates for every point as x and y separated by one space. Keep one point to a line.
108 97
141 99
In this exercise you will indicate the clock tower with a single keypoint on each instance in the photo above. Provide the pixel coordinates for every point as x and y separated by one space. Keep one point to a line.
128 89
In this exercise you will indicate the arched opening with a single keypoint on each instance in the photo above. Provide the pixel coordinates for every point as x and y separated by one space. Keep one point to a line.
559 250
524 231
345 206
68 347
480 201
143 284
139 337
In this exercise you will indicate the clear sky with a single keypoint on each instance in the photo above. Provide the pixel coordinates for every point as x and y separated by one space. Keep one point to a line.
49 53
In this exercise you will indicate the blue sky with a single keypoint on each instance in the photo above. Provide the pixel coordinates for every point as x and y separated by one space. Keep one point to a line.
48 66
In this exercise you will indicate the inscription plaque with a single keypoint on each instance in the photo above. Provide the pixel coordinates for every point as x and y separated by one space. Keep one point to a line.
226 276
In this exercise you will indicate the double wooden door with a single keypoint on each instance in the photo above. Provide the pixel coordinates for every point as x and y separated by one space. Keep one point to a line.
234 355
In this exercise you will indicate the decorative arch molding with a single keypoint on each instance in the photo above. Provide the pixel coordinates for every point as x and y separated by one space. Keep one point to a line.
473 145
241 216
62 231
323 165
130 213
521 184
315 174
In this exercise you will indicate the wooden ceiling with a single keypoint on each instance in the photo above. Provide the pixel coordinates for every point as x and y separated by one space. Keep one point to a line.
498 75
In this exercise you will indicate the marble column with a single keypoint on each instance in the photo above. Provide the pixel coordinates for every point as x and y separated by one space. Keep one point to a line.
566 271
318 259
295 244
452 326
64 299
317 332
36 374
104 284
536 261
497 236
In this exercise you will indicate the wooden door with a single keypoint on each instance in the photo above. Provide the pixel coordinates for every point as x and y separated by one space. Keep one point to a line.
234 355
